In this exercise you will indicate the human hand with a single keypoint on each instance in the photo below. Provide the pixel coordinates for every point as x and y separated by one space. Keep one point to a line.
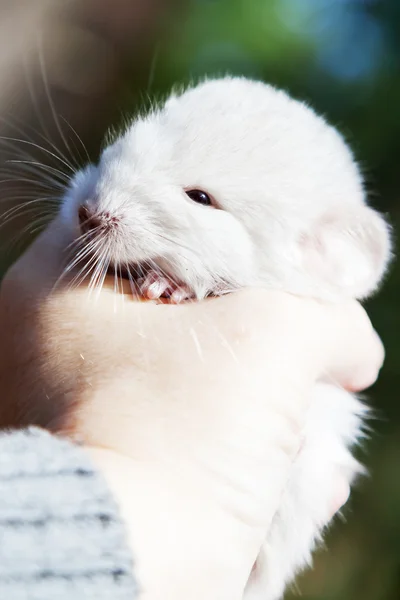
193 412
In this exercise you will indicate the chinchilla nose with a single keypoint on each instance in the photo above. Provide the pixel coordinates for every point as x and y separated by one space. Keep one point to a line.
92 221
88 220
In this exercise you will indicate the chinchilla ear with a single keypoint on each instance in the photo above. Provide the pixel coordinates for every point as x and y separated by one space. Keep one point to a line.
348 251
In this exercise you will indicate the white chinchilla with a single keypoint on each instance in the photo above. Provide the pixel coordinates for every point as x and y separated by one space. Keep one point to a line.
233 183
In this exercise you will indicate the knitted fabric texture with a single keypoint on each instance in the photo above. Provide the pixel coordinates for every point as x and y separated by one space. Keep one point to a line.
61 536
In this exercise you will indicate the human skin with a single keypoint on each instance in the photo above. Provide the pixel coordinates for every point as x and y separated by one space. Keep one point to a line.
194 412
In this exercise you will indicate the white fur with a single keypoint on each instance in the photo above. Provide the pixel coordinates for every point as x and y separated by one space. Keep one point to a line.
334 424
291 215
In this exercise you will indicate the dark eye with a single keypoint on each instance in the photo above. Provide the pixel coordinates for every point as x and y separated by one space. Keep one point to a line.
200 197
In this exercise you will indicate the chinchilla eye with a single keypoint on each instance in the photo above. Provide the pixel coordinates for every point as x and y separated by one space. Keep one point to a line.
200 197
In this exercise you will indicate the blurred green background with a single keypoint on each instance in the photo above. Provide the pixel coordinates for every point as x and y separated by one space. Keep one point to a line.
343 57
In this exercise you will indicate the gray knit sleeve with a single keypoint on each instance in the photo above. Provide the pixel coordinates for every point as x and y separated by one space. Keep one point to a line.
61 537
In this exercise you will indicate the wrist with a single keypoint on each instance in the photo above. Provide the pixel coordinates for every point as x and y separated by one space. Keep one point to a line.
181 544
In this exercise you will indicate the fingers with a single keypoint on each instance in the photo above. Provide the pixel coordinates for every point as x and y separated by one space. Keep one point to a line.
351 350
341 496
336 340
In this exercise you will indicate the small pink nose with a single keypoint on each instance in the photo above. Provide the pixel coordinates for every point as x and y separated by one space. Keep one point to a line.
87 219
90 220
